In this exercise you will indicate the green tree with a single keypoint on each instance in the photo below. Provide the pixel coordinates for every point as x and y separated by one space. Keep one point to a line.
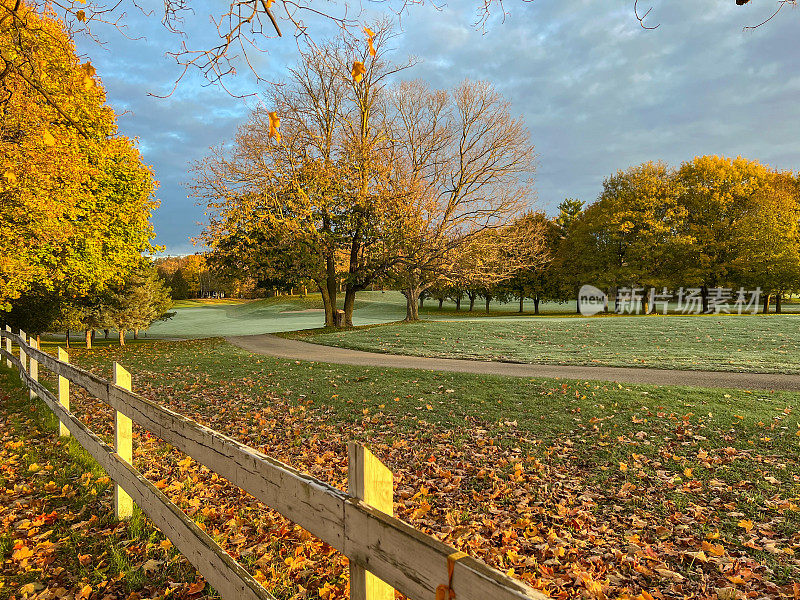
138 303
718 195
75 198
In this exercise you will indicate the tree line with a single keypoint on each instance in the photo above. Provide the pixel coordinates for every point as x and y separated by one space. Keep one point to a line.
346 178
713 222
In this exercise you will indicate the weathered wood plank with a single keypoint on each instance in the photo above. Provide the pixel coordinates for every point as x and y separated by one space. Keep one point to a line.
223 572
8 345
22 355
34 366
63 392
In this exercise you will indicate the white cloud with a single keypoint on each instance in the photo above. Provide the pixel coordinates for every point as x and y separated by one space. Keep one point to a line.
598 92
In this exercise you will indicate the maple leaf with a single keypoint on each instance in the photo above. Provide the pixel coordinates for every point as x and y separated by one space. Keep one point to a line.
746 524
370 39
48 139
358 71
274 125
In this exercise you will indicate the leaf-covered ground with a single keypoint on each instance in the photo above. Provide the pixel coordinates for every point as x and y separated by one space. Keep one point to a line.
757 343
59 537
581 489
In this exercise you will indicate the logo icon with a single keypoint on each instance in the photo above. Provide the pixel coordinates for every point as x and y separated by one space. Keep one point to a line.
591 300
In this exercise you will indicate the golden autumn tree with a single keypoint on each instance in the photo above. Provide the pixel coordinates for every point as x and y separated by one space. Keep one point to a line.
75 197
320 202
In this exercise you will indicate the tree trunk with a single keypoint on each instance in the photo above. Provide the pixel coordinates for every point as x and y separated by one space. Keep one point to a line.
121 337
136 334
441 301
536 305
578 305
488 299
327 305
471 301
521 303
89 339
105 332
766 303
645 304
704 296
349 304
421 300
412 308
458 303
67 338
778 303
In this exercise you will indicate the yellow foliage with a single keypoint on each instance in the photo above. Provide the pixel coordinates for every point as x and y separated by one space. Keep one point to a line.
358 71
370 40
274 125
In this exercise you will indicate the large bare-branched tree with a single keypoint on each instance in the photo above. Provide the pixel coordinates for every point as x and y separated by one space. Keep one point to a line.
368 181
469 164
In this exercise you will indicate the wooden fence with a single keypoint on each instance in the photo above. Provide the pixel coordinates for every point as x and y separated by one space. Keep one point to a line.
384 552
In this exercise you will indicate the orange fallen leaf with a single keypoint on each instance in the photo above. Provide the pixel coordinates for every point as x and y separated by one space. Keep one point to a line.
22 553
85 592
196 587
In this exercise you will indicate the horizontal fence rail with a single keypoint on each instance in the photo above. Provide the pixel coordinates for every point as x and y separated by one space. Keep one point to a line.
408 560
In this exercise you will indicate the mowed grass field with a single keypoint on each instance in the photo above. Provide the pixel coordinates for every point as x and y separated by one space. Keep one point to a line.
204 318
583 489
758 343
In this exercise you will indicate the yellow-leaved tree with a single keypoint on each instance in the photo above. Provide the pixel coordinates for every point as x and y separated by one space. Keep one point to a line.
75 197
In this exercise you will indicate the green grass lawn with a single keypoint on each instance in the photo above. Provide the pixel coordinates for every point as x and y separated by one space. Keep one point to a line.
759 343
550 478
200 302
202 319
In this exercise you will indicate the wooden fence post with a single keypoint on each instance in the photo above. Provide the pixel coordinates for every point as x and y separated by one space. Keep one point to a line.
63 392
371 481
34 366
8 346
22 355
123 444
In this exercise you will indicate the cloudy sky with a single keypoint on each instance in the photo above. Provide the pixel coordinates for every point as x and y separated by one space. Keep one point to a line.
598 92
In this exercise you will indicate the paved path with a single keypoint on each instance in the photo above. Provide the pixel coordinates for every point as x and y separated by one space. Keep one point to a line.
294 349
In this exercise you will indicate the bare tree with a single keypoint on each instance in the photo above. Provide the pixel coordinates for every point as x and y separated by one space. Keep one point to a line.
469 164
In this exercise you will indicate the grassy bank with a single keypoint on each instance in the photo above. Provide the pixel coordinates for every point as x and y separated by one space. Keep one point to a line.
60 538
579 488
758 343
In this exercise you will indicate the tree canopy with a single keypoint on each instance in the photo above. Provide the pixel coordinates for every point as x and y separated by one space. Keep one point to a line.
75 196
368 181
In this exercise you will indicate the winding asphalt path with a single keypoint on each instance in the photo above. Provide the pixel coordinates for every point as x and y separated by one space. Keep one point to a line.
271 345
